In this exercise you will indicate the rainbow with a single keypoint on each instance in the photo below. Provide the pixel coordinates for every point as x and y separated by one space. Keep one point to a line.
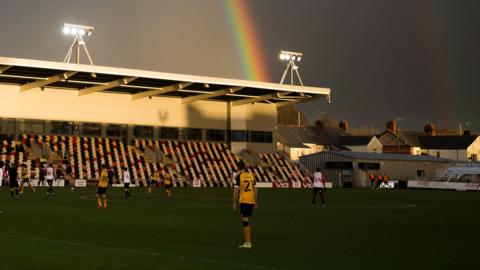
246 39
439 47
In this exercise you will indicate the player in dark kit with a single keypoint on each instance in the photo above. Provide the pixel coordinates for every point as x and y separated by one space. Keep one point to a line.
245 193
12 180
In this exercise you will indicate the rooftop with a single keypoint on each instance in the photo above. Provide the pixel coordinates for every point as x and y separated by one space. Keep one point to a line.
86 79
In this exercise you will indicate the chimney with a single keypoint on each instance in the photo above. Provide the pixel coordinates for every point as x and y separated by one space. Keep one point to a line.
343 125
430 129
392 126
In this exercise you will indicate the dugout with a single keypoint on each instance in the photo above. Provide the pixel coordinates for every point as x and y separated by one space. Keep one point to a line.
351 169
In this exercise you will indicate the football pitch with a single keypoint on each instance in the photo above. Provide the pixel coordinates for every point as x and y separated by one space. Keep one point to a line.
197 229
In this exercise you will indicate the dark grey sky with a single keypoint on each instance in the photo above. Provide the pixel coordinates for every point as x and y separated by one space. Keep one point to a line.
414 59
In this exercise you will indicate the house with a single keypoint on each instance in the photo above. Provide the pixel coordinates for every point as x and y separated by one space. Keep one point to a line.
455 147
400 142
361 143
297 141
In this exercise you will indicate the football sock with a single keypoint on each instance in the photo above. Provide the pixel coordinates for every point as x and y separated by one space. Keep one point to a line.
11 192
246 234
99 202
105 203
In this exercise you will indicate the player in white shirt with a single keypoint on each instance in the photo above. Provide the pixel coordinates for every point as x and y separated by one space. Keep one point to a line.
126 182
318 187
50 177
234 176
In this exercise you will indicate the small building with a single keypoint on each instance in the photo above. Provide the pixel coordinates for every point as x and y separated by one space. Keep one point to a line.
347 169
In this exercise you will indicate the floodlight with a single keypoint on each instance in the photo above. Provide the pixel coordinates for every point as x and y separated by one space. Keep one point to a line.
291 58
78 31
286 55
75 29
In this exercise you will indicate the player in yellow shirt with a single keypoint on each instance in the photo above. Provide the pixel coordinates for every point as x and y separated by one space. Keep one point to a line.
25 178
102 188
154 180
168 183
245 193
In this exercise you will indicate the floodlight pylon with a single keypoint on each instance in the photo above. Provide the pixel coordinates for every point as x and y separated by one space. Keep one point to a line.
291 67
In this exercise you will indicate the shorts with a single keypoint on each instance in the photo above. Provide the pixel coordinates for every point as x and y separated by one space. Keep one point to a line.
101 190
13 184
246 209
317 190
168 186
154 183
50 182
126 185
25 180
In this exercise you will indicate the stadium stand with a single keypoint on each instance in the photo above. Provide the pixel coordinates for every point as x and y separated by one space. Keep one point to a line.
210 162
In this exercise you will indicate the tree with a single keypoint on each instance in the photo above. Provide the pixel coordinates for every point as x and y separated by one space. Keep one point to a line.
289 115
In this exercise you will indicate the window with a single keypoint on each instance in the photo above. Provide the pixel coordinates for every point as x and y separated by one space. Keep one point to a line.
31 126
114 131
420 173
143 132
61 128
368 166
338 165
91 129
473 157
169 133
215 135
194 134
438 153
239 135
261 136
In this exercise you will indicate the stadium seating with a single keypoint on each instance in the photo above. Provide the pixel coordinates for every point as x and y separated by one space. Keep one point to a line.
210 162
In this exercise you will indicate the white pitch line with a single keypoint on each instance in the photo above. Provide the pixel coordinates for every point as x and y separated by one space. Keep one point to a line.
135 251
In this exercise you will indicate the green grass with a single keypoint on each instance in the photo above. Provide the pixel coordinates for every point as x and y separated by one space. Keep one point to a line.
197 229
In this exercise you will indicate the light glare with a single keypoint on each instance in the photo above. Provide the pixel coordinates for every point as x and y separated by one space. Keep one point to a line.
66 30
